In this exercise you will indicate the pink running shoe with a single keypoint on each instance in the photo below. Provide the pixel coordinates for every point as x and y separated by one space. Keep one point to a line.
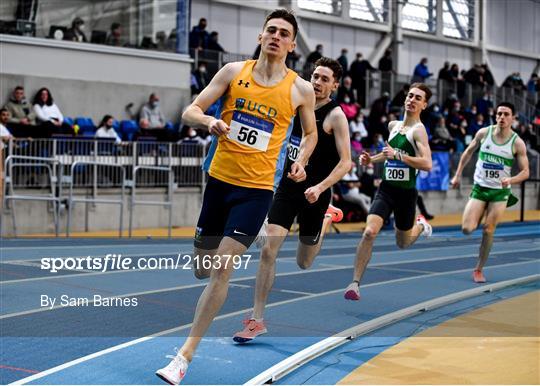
478 276
352 292
335 213
251 330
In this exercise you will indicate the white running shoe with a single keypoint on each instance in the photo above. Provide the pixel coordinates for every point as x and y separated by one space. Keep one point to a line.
175 371
428 229
262 236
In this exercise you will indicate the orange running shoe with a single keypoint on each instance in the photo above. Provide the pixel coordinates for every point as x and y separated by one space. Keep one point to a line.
335 213
478 276
251 330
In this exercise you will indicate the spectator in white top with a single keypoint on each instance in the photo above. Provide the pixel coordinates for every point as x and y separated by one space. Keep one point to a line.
5 135
106 129
357 125
48 114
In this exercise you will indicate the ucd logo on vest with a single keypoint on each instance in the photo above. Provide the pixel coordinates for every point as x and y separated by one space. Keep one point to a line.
268 112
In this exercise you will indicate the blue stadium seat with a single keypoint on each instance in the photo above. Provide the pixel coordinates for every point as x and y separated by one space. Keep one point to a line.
128 130
87 128
69 121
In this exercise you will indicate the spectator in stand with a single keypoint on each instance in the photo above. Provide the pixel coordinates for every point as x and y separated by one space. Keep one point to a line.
200 78
350 190
515 82
356 145
344 61
291 60
488 76
368 182
421 72
191 135
386 68
454 72
457 126
483 104
470 114
359 73
106 129
345 98
22 119
444 73
489 118
5 135
114 35
161 41
533 84
76 32
49 115
151 116
460 83
313 56
474 125
213 44
475 76
379 114
442 139
357 125
198 37
399 99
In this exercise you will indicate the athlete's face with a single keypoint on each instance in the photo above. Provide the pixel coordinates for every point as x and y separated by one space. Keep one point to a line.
277 38
415 101
504 117
323 82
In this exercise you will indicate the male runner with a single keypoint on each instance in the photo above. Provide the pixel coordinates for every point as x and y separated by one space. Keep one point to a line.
246 159
309 199
499 147
406 152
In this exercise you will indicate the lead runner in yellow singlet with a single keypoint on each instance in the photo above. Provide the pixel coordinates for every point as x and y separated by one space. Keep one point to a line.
258 101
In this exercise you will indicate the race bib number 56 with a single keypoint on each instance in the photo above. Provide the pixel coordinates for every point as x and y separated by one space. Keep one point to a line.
250 131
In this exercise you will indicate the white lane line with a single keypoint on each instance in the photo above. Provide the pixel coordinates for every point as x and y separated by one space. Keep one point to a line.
186 326
288 259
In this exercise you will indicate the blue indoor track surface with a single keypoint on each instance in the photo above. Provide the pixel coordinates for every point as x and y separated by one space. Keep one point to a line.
125 345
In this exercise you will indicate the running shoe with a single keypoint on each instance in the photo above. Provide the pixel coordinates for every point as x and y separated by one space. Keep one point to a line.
335 213
352 292
175 371
478 276
260 240
251 330
428 230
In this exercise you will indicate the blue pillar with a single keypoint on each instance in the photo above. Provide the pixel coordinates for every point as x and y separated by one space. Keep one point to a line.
182 26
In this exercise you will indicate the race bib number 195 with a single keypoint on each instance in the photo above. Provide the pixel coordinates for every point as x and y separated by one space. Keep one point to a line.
250 131
492 171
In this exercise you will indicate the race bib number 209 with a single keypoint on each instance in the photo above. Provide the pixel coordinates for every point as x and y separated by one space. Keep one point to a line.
250 131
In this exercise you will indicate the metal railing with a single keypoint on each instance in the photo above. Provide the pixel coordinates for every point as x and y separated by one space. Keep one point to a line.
167 203
33 163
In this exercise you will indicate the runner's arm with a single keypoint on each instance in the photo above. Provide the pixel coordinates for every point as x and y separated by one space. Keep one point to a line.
306 108
194 115
523 163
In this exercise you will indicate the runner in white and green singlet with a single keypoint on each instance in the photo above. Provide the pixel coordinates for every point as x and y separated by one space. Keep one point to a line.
499 147
406 152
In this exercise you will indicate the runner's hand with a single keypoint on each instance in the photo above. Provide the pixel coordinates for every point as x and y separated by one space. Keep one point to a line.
365 158
218 127
297 173
312 194
454 183
388 151
505 182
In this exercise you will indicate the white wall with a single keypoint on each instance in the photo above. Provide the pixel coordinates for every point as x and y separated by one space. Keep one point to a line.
87 79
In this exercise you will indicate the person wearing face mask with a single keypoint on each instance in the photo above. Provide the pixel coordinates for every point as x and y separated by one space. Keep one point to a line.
345 98
106 129
76 32
200 79
151 116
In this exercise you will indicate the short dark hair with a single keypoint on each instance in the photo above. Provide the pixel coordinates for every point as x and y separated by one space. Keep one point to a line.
3 110
332 64
507 104
286 15
115 25
18 88
424 88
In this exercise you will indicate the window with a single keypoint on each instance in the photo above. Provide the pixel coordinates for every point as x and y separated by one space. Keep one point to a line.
420 15
458 19
369 10
332 7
